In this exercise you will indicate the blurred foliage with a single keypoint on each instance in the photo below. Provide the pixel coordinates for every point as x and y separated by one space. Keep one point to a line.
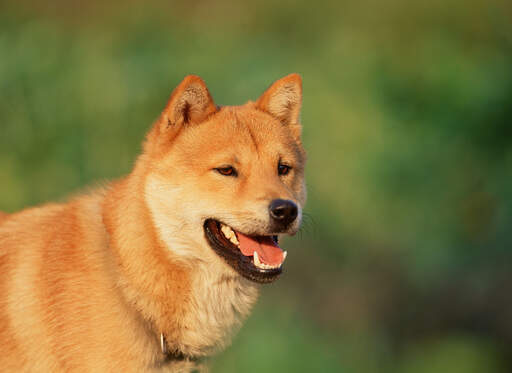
403 264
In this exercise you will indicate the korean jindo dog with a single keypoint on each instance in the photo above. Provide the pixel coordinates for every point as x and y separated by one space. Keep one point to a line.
154 271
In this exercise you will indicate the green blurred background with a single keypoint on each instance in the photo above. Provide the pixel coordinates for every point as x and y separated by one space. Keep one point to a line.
404 263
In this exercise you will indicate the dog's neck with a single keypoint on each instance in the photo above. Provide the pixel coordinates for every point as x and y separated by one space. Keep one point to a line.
158 289
194 307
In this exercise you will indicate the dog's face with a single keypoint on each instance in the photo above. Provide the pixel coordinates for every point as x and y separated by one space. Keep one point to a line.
224 183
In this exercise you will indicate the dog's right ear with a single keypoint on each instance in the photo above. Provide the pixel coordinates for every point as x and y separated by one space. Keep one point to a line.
190 102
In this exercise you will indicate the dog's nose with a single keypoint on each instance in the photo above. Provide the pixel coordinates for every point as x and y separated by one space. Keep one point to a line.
283 212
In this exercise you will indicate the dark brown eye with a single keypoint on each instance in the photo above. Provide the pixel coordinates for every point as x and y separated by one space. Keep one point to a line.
283 169
227 171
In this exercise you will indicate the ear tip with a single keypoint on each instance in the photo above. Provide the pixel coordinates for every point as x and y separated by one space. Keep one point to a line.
294 77
191 79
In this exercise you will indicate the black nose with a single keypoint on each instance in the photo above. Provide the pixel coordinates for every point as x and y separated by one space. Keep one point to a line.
283 212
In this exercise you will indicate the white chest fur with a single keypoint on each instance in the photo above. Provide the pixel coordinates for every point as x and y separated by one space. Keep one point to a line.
219 304
220 299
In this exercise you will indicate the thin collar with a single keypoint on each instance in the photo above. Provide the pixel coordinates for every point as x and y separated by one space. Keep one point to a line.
174 356
163 344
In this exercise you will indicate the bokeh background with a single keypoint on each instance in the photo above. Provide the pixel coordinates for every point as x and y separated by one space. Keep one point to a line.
404 263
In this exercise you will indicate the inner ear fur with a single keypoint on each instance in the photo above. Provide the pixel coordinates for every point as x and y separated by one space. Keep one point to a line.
283 99
190 102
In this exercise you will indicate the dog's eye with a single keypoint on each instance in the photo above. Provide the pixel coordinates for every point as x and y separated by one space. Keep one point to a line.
283 169
227 171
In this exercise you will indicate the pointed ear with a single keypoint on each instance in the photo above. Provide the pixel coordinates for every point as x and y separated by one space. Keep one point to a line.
190 102
283 99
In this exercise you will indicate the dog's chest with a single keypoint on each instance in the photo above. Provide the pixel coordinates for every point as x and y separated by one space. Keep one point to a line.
218 306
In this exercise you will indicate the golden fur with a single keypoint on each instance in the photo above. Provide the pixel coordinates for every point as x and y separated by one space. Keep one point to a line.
89 285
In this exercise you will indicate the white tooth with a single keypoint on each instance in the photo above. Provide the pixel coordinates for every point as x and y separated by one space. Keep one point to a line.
256 259
227 231
284 256
234 240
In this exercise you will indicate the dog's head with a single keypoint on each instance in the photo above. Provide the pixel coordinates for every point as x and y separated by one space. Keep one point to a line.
223 183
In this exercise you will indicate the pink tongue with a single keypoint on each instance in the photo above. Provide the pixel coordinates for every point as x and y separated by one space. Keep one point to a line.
268 251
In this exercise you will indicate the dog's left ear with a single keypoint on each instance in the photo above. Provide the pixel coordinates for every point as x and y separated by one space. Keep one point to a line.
283 99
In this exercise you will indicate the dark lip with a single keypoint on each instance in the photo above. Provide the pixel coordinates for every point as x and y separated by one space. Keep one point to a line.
234 257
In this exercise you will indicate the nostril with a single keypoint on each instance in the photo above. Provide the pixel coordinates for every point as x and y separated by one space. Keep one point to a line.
279 212
284 211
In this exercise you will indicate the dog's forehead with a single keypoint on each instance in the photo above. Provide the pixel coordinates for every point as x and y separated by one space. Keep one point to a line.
247 124
242 126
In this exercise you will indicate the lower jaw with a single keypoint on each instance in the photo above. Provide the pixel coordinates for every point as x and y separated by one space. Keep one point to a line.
242 264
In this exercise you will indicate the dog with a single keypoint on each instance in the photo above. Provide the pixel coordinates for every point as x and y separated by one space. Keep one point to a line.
155 272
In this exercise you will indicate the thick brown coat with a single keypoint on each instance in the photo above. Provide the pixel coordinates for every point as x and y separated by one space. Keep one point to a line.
89 285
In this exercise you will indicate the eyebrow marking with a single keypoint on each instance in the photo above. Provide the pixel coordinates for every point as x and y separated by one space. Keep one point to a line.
253 138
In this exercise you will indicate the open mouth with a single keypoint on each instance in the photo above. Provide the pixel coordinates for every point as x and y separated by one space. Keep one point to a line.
257 258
